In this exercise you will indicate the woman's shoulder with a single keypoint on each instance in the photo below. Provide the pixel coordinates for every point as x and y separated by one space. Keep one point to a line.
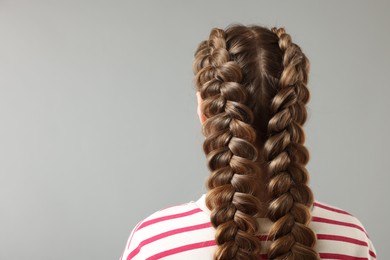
171 231
173 217
329 214
339 232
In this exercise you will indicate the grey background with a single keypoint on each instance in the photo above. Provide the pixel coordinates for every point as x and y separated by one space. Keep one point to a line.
99 126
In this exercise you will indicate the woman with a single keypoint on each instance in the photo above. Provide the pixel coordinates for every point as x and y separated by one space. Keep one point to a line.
252 93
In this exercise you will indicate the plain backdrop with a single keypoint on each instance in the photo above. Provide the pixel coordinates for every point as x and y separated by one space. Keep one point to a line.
99 126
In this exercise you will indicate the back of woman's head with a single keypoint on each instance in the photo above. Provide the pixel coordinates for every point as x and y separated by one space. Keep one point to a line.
253 83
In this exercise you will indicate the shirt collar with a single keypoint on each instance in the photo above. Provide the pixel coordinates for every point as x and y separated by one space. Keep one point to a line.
264 223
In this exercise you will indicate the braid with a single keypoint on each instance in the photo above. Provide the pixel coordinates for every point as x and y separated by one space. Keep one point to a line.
291 198
230 150
253 82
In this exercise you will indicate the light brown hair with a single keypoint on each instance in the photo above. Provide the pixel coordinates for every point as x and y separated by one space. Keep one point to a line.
253 82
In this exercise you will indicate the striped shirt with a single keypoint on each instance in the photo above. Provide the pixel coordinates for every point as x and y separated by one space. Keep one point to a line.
185 232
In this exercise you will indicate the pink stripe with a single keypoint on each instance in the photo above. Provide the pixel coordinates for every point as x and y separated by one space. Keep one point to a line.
340 223
166 234
179 215
331 208
341 238
182 249
372 254
264 238
341 256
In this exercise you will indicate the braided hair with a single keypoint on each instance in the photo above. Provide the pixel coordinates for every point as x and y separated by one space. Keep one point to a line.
253 83
292 199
